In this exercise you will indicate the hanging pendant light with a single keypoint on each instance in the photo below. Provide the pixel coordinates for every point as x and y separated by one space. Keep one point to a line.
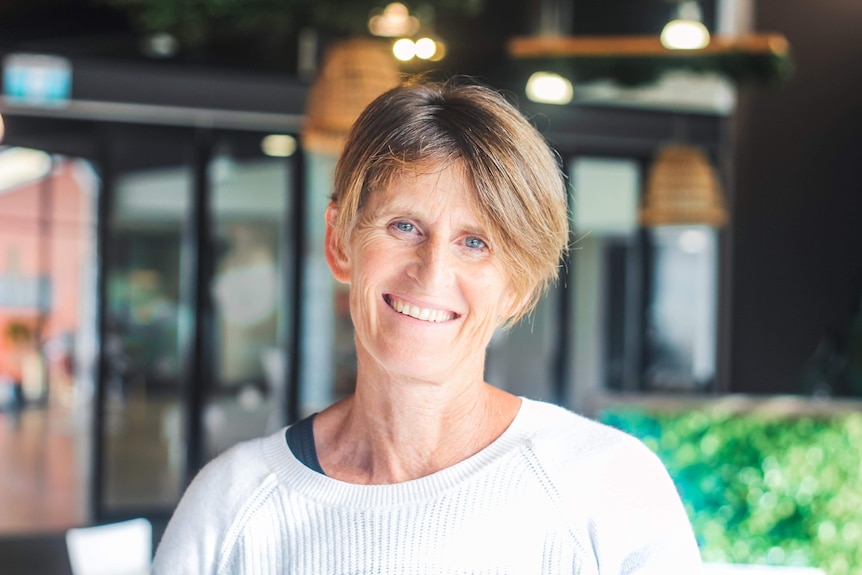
354 72
682 188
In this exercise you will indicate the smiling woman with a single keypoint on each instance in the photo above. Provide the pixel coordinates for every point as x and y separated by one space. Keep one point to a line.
419 249
513 178
448 220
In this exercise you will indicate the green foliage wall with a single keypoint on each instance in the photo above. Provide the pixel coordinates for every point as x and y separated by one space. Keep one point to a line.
763 489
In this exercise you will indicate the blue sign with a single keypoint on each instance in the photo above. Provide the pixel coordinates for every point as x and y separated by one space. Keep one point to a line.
37 80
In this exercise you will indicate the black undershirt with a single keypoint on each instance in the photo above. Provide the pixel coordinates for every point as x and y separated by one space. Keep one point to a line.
300 440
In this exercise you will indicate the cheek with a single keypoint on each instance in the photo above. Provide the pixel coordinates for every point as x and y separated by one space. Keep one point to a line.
492 288
370 246
372 268
366 257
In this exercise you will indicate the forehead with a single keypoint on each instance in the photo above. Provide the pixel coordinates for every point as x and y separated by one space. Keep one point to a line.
430 187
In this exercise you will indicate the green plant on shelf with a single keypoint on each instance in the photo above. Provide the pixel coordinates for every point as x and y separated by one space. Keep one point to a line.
763 489
196 22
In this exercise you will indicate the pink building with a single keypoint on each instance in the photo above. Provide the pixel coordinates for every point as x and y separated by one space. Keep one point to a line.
46 230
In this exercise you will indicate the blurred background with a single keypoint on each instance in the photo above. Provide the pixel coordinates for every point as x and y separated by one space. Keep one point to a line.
164 167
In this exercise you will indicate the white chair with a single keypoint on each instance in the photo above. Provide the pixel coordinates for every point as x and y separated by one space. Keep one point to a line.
124 548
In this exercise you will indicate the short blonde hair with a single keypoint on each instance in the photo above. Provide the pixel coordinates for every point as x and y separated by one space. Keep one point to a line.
518 185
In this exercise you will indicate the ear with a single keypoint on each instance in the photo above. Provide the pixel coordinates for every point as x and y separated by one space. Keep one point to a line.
336 256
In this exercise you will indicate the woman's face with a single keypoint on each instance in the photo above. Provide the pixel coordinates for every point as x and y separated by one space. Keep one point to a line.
426 288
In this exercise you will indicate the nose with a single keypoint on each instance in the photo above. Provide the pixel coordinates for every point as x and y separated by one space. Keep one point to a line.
434 267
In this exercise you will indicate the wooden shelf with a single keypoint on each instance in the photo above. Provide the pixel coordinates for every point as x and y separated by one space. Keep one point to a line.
633 46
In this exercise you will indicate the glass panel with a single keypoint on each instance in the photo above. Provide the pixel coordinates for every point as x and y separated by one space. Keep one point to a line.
522 359
329 354
250 297
47 338
605 278
681 315
143 443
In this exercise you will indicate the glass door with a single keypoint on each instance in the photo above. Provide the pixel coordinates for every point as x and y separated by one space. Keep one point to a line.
144 379
249 177
47 338
198 286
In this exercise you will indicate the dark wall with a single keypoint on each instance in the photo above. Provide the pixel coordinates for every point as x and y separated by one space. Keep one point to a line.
797 239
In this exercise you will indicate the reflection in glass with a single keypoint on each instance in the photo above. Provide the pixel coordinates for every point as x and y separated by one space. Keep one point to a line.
143 438
329 352
681 314
604 278
249 197
48 344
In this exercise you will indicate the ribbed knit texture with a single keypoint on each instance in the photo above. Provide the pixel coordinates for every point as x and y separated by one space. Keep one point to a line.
556 493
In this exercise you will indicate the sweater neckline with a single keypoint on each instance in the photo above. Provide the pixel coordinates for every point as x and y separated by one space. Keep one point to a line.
295 475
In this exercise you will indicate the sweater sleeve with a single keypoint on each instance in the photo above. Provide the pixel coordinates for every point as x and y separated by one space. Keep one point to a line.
638 525
200 535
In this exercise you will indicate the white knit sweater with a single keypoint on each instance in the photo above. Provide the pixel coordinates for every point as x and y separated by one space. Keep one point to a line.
556 493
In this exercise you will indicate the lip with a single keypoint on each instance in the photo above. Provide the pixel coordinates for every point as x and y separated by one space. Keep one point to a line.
424 313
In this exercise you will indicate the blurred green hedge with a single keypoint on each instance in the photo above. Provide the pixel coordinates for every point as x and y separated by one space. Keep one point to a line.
763 489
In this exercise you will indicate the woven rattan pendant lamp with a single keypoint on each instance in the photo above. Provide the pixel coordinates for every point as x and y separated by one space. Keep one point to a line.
682 189
354 72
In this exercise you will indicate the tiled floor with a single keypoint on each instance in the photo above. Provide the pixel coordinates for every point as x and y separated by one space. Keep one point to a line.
43 469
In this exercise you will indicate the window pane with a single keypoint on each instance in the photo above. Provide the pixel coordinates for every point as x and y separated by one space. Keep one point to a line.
681 314
144 449
249 201
329 354
47 338
605 281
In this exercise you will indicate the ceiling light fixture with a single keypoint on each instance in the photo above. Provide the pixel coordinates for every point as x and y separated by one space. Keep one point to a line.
425 48
682 188
686 31
404 49
278 145
353 73
395 20
549 88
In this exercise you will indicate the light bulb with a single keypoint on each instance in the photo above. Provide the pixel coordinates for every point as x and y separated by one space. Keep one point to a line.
686 31
685 35
278 145
404 49
395 20
425 48
549 88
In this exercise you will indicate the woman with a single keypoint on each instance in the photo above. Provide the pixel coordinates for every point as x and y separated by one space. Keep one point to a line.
448 220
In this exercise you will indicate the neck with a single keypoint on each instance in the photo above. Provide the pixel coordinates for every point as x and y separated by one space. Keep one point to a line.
394 430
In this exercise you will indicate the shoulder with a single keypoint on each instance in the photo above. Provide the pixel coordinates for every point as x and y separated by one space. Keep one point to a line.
594 467
233 476
221 495
615 489
557 434
237 468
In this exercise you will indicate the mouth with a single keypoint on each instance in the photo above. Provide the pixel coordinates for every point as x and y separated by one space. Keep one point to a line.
420 313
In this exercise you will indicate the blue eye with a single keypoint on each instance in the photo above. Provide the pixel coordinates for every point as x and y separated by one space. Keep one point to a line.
474 243
404 226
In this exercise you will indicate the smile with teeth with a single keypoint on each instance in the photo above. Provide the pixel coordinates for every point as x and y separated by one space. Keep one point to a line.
424 314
